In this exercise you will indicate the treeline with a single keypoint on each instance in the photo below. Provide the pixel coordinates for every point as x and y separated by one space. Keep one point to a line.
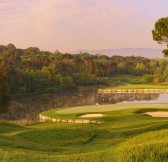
28 71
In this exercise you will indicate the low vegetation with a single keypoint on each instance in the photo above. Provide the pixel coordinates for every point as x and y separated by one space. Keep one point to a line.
126 135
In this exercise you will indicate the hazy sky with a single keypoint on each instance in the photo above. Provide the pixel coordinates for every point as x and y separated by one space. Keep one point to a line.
69 25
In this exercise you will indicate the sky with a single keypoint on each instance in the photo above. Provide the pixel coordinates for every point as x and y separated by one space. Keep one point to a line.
68 25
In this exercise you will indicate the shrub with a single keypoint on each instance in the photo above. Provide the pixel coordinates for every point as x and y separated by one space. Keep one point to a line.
166 80
147 78
165 73
66 82
84 79
158 80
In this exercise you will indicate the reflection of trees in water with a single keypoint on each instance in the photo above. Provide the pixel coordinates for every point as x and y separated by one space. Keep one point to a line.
115 98
30 107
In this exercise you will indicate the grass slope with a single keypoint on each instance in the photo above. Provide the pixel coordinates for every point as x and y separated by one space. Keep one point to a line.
126 136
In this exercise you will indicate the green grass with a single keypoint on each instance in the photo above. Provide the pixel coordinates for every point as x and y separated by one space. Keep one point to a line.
124 79
75 112
127 135
140 86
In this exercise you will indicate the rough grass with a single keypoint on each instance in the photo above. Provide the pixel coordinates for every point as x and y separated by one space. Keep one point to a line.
125 136
151 146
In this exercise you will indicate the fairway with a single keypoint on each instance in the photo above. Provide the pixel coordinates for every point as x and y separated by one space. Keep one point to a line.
126 135
140 86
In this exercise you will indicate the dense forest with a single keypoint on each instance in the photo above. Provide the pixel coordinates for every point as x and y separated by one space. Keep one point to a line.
31 71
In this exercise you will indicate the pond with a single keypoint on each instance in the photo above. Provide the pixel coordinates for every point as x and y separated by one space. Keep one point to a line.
30 107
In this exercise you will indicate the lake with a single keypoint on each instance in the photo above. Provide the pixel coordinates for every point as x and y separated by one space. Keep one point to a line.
30 107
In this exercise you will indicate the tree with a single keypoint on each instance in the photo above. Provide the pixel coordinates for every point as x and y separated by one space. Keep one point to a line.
159 71
160 33
67 82
122 67
163 63
140 69
165 73
153 65
4 93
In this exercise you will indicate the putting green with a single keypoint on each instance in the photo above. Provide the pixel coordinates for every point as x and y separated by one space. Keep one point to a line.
106 108
76 112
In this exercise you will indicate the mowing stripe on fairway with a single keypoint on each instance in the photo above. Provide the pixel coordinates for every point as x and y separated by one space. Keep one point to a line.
105 108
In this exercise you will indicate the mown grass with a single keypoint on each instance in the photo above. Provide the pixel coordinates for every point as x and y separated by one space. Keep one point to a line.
126 135
75 112
140 86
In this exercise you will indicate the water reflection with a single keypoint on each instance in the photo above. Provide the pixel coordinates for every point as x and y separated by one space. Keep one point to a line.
30 107
126 97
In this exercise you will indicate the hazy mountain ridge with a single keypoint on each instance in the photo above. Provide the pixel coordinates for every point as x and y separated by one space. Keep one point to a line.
144 52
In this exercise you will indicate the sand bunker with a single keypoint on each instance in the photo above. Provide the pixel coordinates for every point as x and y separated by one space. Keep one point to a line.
91 115
158 114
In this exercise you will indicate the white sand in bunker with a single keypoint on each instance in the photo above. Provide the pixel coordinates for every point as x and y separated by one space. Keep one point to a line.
158 114
91 115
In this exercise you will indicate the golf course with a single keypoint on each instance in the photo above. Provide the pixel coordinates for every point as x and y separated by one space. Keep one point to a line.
140 86
127 134
83 81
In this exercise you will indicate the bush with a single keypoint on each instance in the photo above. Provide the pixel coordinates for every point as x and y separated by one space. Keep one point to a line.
158 80
84 80
147 78
166 80
165 73
66 82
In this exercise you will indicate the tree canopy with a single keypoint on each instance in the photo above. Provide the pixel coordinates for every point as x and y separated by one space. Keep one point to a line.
160 33
32 71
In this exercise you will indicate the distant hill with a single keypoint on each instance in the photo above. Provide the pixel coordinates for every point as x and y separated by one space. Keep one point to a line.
144 52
